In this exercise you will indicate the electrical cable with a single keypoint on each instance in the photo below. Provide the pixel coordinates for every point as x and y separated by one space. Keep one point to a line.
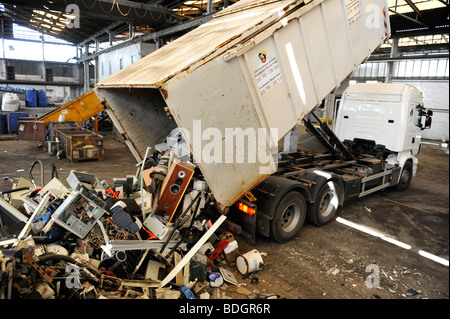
177 223
123 14
189 228
140 17
55 257
160 15
87 7
112 8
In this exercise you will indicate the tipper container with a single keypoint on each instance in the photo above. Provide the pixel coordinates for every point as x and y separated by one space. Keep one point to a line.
257 67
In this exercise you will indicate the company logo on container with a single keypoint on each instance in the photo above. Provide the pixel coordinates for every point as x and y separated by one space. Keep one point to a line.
263 56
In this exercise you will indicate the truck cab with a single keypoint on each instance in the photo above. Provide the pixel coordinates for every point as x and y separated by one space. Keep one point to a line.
392 115
388 117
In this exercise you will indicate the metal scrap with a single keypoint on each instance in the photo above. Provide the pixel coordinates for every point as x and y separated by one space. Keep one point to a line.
95 241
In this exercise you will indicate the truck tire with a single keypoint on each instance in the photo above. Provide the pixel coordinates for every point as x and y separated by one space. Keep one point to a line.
324 208
405 177
289 217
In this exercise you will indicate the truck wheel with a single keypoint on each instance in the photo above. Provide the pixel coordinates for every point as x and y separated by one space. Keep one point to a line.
324 209
289 217
405 177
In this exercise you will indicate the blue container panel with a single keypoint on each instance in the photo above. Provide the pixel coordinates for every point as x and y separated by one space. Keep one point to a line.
3 124
13 119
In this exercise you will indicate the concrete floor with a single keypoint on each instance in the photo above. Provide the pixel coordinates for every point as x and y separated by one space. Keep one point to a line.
17 155
335 261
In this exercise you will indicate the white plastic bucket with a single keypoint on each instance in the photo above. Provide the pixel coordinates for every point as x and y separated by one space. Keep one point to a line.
249 262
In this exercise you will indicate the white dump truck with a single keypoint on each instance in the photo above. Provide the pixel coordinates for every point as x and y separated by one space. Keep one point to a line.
385 117
238 84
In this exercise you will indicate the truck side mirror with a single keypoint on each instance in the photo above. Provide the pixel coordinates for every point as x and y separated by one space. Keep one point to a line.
425 119
428 122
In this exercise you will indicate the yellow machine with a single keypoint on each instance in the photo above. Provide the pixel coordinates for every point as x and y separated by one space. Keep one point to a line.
77 110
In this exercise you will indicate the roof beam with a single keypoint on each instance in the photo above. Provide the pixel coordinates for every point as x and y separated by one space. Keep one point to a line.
101 32
115 10
409 57
416 10
175 3
152 36
408 18
124 8
138 5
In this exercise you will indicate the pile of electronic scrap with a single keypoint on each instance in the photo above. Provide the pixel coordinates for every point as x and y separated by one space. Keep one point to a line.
151 235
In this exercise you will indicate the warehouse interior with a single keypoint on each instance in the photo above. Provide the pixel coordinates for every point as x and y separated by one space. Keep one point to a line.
60 64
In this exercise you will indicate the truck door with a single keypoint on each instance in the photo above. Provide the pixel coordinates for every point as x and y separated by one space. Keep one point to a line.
415 122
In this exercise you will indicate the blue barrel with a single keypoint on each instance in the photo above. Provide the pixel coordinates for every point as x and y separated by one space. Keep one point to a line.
13 119
41 98
31 98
